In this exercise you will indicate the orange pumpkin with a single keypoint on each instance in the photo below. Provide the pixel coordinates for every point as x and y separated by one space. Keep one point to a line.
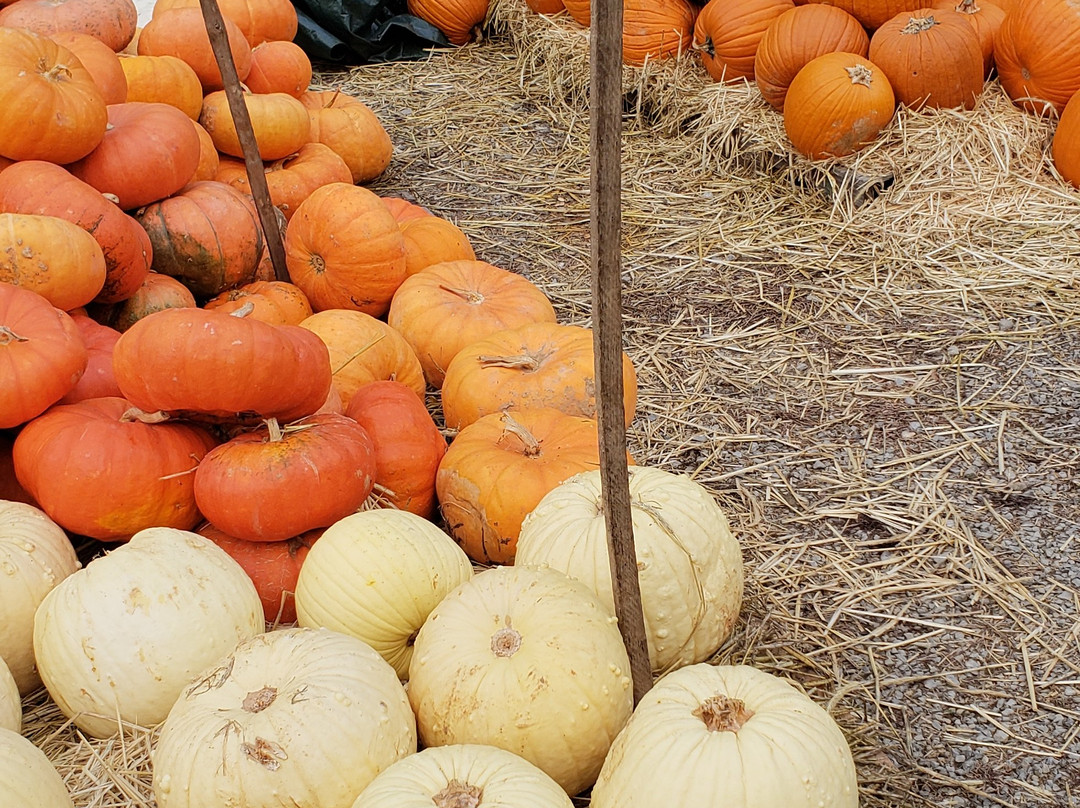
655 29
546 6
580 10
838 103
1037 54
433 240
932 59
259 20
163 80
149 152
796 37
279 121
274 302
98 381
156 292
52 109
874 13
97 468
207 235
42 355
181 32
984 17
727 33
279 66
457 19
448 306
403 210
408 444
99 60
292 179
1065 147
364 350
345 250
351 129
52 257
209 158
111 21
499 468
536 365
326 462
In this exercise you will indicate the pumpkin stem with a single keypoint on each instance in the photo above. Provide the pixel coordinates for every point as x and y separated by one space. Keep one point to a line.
722 714
258 700
918 25
522 433
8 336
135 414
526 362
244 310
506 641
58 72
968 7
465 294
860 74
458 795
275 430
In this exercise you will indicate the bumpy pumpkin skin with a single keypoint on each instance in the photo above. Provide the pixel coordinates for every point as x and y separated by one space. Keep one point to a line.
529 660
787 752
1037 54
51 256
727 33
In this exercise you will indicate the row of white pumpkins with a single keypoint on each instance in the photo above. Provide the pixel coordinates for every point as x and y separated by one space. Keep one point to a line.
517 678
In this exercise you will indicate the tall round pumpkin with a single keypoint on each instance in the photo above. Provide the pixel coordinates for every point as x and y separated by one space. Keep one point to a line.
291 717
727 33
376 575
35 555
121 638
1037 54
530 661
837 104
690 566
727 734
457 19
27 777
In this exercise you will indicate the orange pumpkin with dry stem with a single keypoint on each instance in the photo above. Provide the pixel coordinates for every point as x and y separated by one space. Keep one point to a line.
100 61
727 33
349 127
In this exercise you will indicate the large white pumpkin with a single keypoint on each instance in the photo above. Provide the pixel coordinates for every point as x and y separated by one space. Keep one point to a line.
123 636
298 717
376 575
530 661
35 555
727 735
27 778
463 776
690 564
10 701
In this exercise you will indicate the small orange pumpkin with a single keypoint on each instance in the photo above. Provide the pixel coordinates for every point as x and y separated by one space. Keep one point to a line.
351 129
274 302
433 240
279 121
163 80
279 66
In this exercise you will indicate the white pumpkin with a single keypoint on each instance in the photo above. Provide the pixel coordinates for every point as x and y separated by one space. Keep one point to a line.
35 555
463 776
10 701
295 717
27 778
530 661
123 636
376 575
690 564
727 735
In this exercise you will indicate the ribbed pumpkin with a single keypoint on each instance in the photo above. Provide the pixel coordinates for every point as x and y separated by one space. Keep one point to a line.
349 127
984 17
535 365
181 32
219 365
497 470
99 380
325 461
156 292
97 469
111 21
209 158
932 59
450 305
274 302
345 250
42 354
874 13
10 701
364 350
580 10
259 20
99 60
207 236
164 80
457 19
53 110
150 151
727 33
408 444
279 121
655 29
797 36
1037 54
403 210
279 66
51 256
1065 147
837 104
27 776
432 240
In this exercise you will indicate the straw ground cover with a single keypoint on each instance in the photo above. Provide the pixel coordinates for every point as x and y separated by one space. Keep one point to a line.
882 390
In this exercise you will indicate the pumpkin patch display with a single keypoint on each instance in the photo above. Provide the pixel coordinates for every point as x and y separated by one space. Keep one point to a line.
102 469
35 555
1037 54
111 21
527 660
534 365
181 32
325 461
52 257
120 639
783 750
26 775
376 576
42 355
10 701
727 34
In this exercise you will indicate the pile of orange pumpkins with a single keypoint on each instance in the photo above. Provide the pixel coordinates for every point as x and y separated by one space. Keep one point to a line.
837 69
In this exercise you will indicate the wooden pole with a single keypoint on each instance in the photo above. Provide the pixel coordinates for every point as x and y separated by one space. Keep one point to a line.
605 106
219 41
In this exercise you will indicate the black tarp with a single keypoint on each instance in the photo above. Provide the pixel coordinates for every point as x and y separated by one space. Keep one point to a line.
361 31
